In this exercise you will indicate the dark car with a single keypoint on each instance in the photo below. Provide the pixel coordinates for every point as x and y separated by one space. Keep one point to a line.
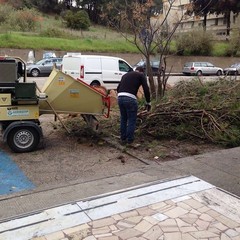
154 65
232 70
43 67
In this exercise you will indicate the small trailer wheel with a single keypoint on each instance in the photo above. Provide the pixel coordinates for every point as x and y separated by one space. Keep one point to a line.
23 139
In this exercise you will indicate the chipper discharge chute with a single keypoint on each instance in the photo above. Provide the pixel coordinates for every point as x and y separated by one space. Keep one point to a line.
21 103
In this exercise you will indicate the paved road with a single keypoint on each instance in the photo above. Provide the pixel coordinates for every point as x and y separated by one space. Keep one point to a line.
172 79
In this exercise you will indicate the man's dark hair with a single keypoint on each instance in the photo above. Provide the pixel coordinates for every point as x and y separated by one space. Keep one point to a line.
140 69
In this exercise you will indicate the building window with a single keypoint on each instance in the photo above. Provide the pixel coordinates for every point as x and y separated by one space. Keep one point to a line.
221 33
192 25
224 21
216 21
234 18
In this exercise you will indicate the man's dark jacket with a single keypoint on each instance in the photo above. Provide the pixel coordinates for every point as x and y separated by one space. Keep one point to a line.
131 82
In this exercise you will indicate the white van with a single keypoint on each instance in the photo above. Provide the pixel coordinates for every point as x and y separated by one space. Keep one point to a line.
96 70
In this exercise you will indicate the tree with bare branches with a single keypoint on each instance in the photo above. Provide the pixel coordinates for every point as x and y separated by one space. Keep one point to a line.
146 24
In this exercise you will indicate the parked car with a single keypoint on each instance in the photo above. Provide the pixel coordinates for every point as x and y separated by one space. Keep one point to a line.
201 68
43 67
47 54
96 70
232 70
154 65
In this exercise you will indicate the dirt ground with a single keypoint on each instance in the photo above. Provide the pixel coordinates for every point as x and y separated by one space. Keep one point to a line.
84 155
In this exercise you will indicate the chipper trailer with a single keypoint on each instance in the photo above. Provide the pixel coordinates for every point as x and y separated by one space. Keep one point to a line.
21 103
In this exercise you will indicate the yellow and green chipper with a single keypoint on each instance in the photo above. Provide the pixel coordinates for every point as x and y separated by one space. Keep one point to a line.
22 102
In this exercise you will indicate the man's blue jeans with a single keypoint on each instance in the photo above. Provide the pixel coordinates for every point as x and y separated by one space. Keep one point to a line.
128 110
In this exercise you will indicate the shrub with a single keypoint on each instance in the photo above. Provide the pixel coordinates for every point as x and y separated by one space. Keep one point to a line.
23 20
181 43
5 10
78 20
194 43
233 48
67 16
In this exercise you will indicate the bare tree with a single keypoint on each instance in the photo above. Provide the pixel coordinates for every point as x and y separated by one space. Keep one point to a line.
150 29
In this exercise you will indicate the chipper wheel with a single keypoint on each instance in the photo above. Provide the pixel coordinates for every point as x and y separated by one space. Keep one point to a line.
23 139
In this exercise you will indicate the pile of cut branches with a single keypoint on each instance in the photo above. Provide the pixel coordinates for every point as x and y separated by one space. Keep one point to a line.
193 110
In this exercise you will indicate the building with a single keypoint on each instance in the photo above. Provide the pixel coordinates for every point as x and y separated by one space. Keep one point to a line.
176 11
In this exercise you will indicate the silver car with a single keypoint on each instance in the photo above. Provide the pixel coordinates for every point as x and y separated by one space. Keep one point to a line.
43 67
232 70
201 68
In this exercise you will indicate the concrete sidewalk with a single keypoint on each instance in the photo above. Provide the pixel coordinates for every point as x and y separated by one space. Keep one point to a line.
215 220
183 208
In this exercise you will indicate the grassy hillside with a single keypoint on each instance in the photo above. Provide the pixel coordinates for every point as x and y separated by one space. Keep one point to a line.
51 34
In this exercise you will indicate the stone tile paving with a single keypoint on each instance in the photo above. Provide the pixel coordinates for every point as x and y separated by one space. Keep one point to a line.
184 218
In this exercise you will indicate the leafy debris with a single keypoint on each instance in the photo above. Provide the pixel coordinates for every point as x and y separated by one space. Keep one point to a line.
209 111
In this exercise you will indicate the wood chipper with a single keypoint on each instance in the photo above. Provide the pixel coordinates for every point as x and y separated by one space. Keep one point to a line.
21 103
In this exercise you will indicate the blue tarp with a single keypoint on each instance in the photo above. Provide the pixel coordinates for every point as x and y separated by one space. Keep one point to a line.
12 179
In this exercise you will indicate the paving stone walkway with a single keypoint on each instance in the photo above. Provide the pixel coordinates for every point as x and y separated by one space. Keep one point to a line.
184 218
186 208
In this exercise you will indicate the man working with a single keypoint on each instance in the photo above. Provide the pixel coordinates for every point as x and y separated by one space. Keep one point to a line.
127 101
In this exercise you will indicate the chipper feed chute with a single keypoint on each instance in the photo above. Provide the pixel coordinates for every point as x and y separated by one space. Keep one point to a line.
68 95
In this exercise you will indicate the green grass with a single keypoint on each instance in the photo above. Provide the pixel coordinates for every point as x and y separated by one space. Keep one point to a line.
219 49
17 40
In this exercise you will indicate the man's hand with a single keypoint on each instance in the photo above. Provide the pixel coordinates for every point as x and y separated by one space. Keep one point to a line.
148 106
